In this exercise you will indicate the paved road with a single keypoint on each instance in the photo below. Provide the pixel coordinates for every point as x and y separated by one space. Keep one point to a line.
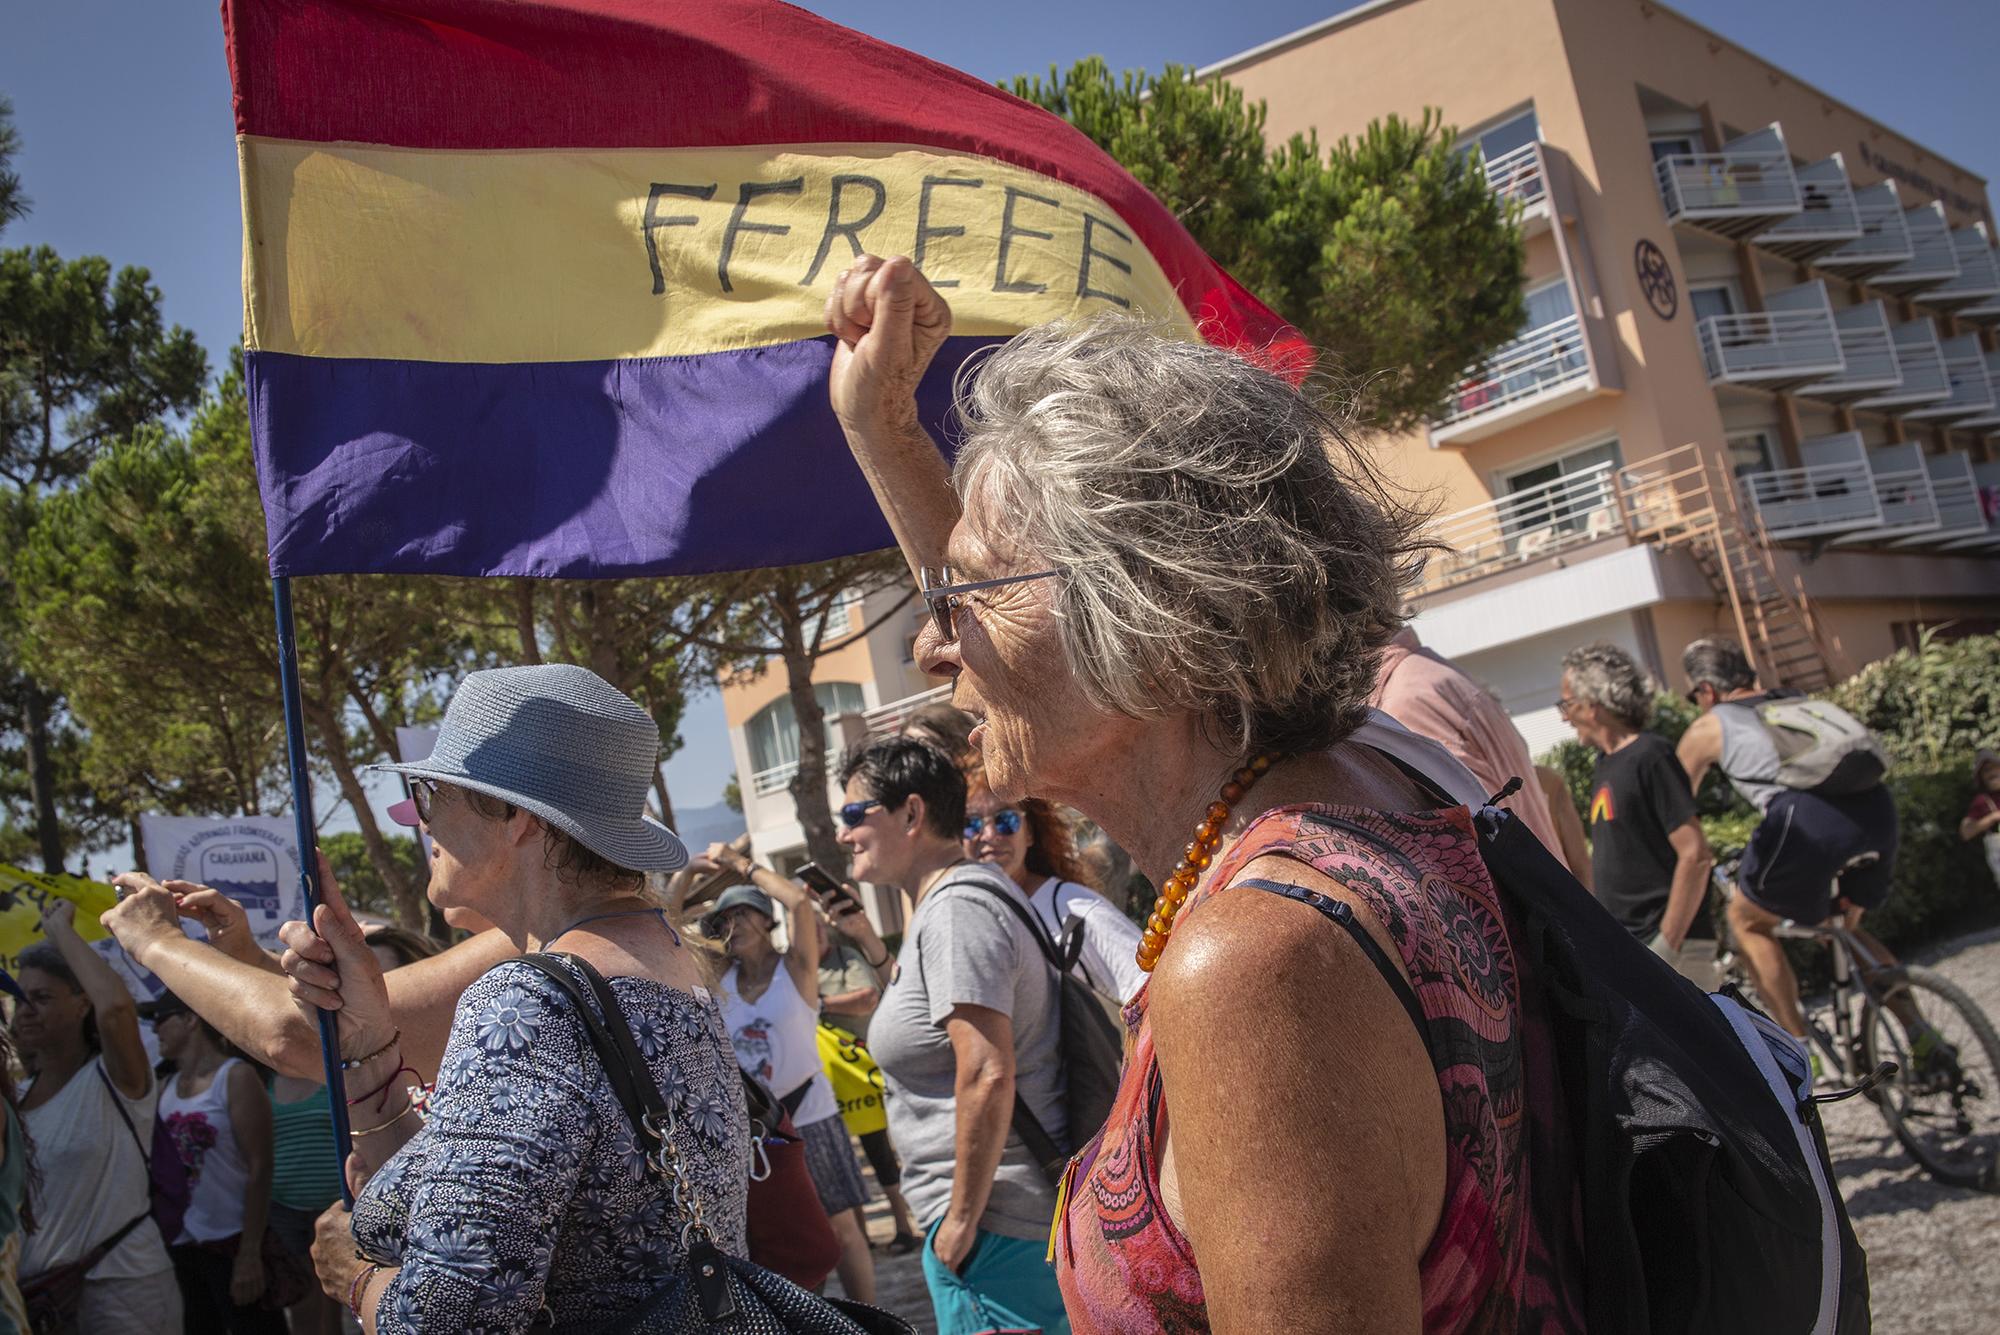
1933 1251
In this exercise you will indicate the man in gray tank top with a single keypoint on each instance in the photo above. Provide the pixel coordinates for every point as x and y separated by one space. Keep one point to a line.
1811 855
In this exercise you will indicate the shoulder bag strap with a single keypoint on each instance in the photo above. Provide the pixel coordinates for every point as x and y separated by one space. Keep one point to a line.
632 1092
118 1102
1026 1125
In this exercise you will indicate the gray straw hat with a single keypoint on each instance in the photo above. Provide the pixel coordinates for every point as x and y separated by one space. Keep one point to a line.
561 743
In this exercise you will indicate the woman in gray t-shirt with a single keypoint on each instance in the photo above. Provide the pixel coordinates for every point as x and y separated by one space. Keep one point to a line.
967 1021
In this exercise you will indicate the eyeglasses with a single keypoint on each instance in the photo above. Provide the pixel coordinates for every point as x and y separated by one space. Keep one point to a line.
854 813
1565 706
424 793
942 596
1004 821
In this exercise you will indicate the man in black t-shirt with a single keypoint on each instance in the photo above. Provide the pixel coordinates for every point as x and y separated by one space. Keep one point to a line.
1648 857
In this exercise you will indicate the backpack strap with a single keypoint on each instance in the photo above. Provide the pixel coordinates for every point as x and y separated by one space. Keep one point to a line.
1026 1125
1341 915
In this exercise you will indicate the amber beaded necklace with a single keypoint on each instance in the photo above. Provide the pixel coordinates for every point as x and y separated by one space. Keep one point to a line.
1195 861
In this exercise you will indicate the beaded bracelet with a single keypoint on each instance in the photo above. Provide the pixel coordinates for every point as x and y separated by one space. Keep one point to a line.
358 1062
362 1279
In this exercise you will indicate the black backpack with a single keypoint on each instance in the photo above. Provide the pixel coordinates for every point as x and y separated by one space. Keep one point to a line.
1090 1043
1708 1196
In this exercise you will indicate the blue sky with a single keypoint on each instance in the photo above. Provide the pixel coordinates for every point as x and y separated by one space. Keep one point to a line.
129 153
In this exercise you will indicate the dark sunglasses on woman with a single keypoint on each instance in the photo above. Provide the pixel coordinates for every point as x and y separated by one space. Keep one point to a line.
1004 821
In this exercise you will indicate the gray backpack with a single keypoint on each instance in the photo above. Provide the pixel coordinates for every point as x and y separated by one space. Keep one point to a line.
1821 747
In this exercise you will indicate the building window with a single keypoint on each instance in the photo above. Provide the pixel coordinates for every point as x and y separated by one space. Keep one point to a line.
773 731
1497 141
1572 494
1716 299
1673 146
1750 452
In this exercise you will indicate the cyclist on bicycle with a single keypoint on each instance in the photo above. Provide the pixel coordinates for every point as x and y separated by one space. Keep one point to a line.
1811 856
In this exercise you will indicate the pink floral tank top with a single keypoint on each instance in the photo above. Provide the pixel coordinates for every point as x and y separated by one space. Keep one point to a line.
1506 1255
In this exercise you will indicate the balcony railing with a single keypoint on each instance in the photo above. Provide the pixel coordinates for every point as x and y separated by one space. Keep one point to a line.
1884 242
1745 189
1530 524
1986 481
1920 361
1978 279
1956 495
888 720
1541 361
1989 419
774 780
1827 218
1519 174
1933 259
1969 392
1903 490
1867 354
1814 501
1770 347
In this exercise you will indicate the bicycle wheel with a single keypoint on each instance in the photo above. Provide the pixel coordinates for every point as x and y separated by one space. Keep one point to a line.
1945 1108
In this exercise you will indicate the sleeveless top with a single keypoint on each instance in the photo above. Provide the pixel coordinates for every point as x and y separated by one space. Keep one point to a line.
777 1040
218 1174
1749 755
1490 1266
305 1175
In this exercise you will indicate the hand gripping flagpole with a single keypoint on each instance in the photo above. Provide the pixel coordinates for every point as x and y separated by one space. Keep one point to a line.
302 817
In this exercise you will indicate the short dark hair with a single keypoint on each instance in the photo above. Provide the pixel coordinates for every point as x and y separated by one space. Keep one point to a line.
44 956
1718 662
896 767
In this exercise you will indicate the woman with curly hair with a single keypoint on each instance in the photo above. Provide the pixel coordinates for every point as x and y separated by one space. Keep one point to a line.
1031 840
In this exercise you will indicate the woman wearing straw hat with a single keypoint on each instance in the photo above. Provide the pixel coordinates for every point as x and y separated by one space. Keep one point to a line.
519 1187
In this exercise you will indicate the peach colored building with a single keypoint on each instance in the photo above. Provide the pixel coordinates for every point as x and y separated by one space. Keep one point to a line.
1759 389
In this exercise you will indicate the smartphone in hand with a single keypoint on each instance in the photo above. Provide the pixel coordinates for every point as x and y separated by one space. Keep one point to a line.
832 894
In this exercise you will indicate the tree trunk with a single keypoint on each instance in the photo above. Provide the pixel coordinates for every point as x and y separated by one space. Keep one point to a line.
524 621
411 908
42 780
137 836
808 785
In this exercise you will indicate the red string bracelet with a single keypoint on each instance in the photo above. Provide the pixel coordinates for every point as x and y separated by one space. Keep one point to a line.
381 1091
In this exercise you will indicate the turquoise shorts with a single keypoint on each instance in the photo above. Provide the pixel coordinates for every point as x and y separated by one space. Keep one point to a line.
1006 1287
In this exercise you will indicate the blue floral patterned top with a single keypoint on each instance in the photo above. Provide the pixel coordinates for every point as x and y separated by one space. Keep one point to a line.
526 1185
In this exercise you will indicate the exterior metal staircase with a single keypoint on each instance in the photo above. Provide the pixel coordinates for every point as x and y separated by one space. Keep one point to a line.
1684 499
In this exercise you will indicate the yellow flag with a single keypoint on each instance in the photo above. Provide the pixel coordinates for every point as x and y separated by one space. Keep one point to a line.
22 895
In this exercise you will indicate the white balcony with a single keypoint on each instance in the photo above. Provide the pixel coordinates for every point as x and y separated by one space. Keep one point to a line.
1933 259
1969 392
888 720
1903 490
1827 218
1833 493
1746 188
1544 369
1522 174
1884 242
1867 354
1920 360
1986 478
1955 492
1530 524
1792 341
1978 280
1988 421
765 782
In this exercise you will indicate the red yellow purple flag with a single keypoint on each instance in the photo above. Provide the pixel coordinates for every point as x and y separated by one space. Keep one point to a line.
535 288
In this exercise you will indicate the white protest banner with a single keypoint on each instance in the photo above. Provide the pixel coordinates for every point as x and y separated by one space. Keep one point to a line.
252 859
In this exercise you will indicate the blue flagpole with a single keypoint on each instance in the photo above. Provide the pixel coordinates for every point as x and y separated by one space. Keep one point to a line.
302 817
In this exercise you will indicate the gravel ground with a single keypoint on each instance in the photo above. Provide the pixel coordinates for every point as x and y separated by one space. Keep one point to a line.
1933 1251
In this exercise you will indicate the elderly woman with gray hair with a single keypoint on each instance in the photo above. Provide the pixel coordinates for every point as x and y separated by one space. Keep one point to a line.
1649 859
1162 580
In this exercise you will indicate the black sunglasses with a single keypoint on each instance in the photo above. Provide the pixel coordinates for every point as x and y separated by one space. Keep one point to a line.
854 813
424 793
943 597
